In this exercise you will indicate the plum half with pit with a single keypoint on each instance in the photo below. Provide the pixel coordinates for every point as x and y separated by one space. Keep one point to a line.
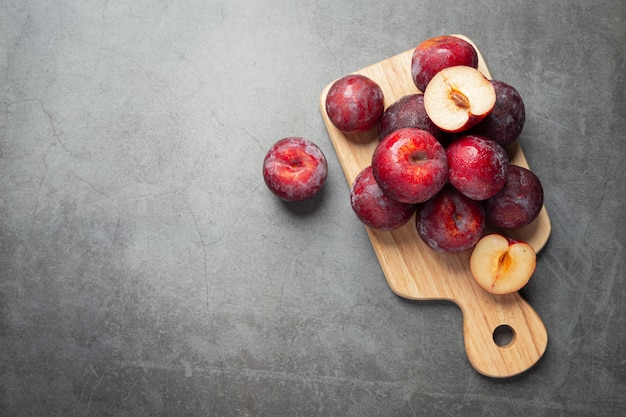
458 98
450 222
519 202
409 111
502 265
355 104
375 209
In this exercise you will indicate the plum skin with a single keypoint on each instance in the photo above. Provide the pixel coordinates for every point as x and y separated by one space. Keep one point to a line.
450 222
519 202
354 104
294 169
506 121
435 54
477 166
373 208
409 111
410 165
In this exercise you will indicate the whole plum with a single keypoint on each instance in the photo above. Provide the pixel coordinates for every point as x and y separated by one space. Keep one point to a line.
505 122
477 166
519 202
375 209
435 54
295 169
450 222
409 111
355 104
410 165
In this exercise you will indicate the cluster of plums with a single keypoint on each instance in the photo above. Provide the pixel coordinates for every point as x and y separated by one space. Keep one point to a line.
441 153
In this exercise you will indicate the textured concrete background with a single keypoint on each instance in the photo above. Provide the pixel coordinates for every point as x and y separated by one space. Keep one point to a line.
146 270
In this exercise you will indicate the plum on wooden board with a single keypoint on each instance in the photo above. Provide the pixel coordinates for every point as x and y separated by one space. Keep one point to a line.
477 166
409 111
294 169
519 202
450 222
410 165
375 209
354 104
435 54
458 98
505 122
502 265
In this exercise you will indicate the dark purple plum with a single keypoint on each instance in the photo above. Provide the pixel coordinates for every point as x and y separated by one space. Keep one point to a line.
409 111
505 122
519 202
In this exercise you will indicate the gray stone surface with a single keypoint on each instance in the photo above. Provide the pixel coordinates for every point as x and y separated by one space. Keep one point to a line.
146 270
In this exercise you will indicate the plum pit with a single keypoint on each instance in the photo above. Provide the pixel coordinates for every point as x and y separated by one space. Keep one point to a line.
459 99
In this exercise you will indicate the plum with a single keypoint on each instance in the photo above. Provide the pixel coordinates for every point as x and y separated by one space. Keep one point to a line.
477 166
519 202
410 165
458 98
501 265
409 111
294 169
450 222
435 54
505 122
355 104
375 209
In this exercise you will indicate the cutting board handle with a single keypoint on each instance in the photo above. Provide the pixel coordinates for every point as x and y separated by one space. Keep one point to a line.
510 314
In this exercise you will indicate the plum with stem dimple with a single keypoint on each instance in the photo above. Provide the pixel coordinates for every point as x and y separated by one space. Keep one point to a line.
477 166
294 169
410 165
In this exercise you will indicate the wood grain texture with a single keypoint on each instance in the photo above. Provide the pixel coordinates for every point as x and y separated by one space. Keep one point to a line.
414 271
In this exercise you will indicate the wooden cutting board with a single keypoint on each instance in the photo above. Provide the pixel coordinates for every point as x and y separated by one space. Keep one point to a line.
416 272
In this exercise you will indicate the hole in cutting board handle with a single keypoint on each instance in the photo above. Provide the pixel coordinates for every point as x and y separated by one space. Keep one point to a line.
503 335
